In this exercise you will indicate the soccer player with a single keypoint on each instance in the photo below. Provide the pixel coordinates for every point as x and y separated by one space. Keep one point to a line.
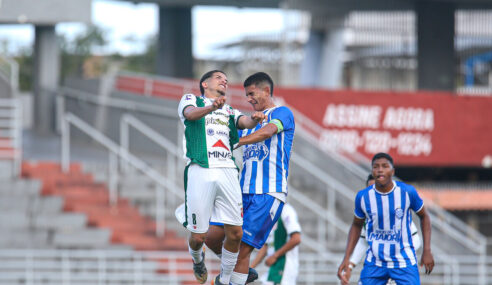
211 176
266 154
361 247
386 210
282 249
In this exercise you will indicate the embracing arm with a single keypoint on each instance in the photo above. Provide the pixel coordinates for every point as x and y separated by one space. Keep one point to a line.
260 135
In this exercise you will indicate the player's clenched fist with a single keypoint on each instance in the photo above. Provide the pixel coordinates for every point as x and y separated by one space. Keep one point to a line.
219 102
258 116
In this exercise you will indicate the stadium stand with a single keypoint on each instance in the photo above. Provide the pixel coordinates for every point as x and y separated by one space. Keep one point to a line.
321 175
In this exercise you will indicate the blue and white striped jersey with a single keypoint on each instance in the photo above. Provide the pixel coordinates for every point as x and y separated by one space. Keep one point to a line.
388 220
266 163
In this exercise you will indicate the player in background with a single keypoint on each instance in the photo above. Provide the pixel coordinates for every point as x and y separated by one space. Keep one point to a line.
211 176
361 247
282 250
266 154
386 210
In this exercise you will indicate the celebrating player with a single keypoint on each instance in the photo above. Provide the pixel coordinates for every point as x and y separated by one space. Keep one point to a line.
211 176
361 247
386 210
266 155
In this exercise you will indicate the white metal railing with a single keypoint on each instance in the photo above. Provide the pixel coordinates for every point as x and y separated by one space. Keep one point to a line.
116 152
485 91
171 150
172 158
11 132
26 266
114 102
9 70
166 267
319 269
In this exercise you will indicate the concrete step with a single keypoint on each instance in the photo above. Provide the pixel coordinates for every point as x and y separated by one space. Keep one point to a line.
99 171
6 168
24 239
141 193
31 204
48 205
14 221
19 187
82 238
136 181
60 222
16 203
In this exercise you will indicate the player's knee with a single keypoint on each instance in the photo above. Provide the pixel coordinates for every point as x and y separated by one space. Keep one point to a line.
235 234
197 239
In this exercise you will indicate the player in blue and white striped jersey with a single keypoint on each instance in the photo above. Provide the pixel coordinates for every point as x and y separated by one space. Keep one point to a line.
266 163
266 154
385 207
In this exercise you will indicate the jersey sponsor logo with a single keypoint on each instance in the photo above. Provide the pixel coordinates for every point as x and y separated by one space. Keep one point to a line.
219 143
215 121
388 236
222 133
221 155
258 151
210 132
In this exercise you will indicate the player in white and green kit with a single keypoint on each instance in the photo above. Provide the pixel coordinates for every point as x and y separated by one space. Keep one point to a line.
282 249
211 176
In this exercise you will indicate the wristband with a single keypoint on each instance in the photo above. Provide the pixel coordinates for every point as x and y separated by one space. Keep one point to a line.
350 266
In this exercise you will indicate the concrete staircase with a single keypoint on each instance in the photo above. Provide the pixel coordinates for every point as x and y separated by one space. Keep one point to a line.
109 225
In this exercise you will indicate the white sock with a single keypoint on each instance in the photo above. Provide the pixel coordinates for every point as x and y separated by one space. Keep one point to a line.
238 278
195 254
228 261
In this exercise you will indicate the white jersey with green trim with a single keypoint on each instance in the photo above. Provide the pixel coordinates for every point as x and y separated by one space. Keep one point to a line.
287 224
209 141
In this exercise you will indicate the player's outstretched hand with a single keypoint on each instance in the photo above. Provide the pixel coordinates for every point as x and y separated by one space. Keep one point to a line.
219 102
427 261
258 116
344 267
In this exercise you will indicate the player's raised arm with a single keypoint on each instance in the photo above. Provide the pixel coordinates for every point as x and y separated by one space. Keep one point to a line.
250 122
193 113
427 258
353 237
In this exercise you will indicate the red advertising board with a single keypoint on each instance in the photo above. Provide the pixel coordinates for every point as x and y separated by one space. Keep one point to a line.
417 129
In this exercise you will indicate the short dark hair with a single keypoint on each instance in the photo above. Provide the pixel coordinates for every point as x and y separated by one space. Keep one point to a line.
257 78
207 76
382 155
369 177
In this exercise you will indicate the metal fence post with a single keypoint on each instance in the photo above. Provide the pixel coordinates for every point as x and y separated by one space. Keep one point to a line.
113 178
124 142
65 147
160 214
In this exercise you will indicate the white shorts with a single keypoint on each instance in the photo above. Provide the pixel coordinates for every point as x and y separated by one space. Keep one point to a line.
212 192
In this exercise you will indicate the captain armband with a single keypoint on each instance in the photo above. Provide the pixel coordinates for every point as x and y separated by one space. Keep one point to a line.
278 123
